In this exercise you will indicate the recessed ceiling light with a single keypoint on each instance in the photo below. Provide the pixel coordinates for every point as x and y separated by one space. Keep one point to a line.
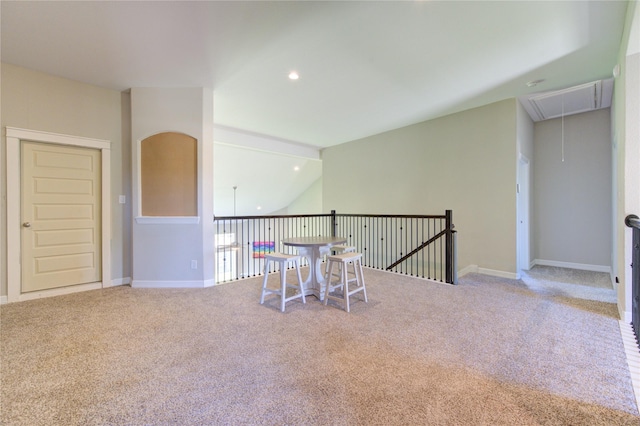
259 208
296 168
534 83
293 75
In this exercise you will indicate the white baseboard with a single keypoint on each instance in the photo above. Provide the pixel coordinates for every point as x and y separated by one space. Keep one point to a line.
171 284
486 271
470 269
570 265
119 281
496 273
511 275
114 283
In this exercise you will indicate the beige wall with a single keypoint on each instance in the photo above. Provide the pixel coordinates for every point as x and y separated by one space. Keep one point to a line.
36 101
465 162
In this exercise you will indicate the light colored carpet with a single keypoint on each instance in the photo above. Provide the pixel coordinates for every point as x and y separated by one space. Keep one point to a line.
571 285
560 275
489 351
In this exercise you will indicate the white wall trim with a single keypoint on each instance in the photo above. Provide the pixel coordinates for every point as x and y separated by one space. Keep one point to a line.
171 284
230 136
570 265
39 136
497 273
469 269
3 300
486 271
14 274
119 281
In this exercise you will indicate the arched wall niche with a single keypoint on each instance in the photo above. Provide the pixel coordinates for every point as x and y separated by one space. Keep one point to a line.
169 175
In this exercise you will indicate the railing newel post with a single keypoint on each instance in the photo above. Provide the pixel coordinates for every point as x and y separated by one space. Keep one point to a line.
632 221
333 223
449 246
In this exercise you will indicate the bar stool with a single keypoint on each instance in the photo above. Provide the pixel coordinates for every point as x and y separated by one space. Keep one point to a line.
343 260
283 259
337 249
341 248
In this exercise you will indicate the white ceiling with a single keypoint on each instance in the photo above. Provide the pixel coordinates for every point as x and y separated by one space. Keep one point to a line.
365 67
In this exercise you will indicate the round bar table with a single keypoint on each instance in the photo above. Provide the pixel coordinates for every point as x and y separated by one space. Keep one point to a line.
314 248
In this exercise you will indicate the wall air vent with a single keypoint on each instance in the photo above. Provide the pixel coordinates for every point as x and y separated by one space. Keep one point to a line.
573 100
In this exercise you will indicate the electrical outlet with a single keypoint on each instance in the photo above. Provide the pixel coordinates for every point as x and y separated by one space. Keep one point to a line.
122 199
194 264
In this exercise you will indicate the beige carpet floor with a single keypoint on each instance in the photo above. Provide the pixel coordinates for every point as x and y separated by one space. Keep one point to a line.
545 275
489 351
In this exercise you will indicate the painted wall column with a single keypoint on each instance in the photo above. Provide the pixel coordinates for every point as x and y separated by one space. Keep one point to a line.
173 251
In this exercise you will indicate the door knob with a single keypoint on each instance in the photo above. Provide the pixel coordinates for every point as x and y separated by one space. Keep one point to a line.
27 225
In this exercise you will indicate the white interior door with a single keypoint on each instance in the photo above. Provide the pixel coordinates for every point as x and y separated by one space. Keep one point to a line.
60 214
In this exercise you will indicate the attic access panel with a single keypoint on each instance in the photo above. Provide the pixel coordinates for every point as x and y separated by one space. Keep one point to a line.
573 100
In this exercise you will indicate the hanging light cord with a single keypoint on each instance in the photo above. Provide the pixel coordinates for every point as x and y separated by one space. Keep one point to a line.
234 200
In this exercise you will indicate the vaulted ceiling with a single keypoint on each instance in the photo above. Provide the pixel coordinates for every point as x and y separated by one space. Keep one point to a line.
364 67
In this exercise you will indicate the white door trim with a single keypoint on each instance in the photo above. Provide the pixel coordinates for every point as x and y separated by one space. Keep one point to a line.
523 230
14 280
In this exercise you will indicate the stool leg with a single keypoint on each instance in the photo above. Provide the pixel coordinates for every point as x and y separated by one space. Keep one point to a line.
326 270
264 281
283 285
360 279
327 282
338 275
300 285
345 283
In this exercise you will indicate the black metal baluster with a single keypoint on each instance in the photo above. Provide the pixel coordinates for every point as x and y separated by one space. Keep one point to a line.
440 253
411 244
